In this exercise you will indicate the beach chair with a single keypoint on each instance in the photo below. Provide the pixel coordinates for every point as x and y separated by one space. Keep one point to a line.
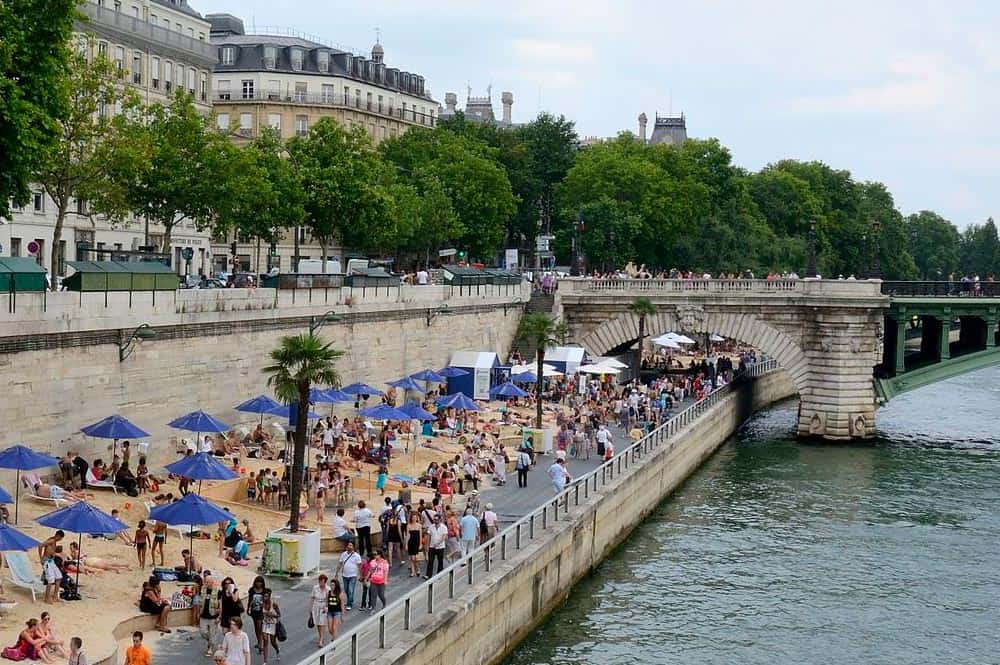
22 573
93 482
29 480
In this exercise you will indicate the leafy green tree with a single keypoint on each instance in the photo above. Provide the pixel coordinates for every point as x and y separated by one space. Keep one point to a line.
980 250
933 242
343 179
75 169
641 307
540 331
169 165
34 89
300 362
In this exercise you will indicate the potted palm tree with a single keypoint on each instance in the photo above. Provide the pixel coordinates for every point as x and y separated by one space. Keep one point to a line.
540 331
299 363
641 307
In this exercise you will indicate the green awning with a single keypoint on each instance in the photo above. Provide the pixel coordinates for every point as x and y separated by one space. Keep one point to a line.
19 273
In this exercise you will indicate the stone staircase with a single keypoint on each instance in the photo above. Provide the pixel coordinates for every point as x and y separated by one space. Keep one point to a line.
539 303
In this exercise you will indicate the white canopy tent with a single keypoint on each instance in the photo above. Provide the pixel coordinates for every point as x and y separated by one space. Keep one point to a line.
716 338
665 341
608 361
547 369
598 369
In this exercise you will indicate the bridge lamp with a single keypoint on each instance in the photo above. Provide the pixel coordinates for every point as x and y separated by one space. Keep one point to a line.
317 322
811 267
876 268
127 346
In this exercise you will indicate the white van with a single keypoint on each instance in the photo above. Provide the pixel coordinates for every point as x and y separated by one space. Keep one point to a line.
315 267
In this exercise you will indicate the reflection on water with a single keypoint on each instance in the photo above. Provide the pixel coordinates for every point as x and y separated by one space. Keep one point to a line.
778 552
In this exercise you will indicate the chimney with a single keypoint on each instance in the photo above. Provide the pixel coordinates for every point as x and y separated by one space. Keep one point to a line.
450 101
508 100
642 127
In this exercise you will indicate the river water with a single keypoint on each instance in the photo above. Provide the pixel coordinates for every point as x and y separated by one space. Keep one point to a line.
779 552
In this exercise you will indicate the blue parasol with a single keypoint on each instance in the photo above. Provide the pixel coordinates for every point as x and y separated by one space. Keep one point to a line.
115 427
384 412
335 395
417 412
406 383
12 540
360 389
81 518
5 498
458 401
524 377
430 376
191 510
451 372
199 421
285 411
507 390
260 404
201 466
23 458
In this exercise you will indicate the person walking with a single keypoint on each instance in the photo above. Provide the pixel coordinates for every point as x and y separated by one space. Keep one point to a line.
363 527
349 569
469 525
523 464
208 619
236 644
559 475
335 603
255 608
272 614
437 536
138 653
317 607
378 577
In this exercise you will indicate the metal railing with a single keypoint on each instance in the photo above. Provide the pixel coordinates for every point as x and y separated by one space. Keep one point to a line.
418 609
705 285
328 99
136 27
954 289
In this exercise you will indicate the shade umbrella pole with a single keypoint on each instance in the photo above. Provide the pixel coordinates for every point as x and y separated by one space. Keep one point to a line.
17 496
79 563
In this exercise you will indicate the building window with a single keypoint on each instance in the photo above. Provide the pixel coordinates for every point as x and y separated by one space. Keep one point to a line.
192 76
246 124
328 93
102 49
166 23
41 250
38 199
154 72
204 87
135 11
201 36
368 101
137 67
296 55
180 28
323 61
274 121
168 76
222 89
274 89
357 98
191 33
228 55
81 206
82 46
15 247
270 57
222 122
248 89
347 94
16 207
380 103
348 63
381 133
153 19
301 125
300 91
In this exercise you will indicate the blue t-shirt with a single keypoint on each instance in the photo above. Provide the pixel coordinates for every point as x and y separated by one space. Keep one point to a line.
470 527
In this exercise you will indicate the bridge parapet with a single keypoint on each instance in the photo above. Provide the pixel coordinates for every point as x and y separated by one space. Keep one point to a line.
807 287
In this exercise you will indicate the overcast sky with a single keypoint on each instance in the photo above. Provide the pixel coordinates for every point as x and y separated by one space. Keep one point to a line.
903 92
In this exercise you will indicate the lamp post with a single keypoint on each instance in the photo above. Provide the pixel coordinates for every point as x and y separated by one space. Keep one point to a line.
811 266
127 346
317 322
875 272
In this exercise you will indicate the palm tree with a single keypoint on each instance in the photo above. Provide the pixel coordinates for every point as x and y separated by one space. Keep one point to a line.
540 331
641 307
300 362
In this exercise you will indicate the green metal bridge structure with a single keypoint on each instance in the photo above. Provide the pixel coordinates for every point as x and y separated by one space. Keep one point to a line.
935 331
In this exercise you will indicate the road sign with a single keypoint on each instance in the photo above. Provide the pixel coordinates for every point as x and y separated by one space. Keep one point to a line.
187 253
447 252
33 247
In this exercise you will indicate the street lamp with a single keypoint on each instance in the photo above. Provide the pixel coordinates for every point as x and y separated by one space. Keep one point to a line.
127 346
317 322
811 267
876 267
432 313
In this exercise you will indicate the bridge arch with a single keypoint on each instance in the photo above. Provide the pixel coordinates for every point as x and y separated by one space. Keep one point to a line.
745 327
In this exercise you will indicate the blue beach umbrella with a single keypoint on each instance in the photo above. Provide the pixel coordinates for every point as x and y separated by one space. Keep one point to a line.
384 412
260 405
23 458
5 498
199 421
406 383
361 389
192 509
115 427
12 540
524 377
335 395
81 518
451 372
507 390
285 411
458 401
430 376
416 412
321 396
201 466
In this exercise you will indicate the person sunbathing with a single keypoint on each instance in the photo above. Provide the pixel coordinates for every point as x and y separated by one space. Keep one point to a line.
93 564
47 491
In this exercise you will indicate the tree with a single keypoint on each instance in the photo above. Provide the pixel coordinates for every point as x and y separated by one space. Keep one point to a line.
300 362
933 242
641 307
34 89
980 249
540 331
343 180
76 167
169 165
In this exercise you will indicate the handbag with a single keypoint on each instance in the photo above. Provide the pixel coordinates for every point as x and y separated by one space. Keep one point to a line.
311 623
281 634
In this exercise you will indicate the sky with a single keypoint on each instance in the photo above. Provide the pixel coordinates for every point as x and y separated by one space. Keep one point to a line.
906 93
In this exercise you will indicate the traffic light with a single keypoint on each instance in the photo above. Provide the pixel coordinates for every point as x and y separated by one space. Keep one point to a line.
461 255
273 248
232 248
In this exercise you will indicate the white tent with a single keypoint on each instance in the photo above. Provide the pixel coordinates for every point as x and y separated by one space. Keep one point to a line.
681 339
565 358
608 361
716 338
547 369
665 340
598 369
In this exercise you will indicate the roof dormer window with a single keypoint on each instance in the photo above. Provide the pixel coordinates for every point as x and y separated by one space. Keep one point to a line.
296 57
323 61
270 57
228 55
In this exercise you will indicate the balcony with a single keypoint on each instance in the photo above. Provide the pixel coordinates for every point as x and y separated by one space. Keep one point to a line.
331 100
131 28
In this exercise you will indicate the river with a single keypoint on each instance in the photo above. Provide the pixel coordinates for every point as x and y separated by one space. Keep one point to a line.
777 552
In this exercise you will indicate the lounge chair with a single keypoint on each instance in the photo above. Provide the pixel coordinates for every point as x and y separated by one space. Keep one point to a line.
93 482
22 573
29 481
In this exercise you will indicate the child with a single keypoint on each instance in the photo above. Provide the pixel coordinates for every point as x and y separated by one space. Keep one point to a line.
76 655
282 490
366 566
141 540
159 538
265 487
383 475
196 598
251 487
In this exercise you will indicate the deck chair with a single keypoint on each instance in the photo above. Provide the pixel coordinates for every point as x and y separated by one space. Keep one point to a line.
93 482
22 574
29 480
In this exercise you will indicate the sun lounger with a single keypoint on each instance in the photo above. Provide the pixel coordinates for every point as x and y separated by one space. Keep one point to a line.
93 482
22 574
29 481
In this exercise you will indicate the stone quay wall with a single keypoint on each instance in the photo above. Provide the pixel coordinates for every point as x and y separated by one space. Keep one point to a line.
484 622
59 360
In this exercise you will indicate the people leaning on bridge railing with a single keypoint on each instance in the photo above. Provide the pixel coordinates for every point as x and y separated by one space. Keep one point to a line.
642 272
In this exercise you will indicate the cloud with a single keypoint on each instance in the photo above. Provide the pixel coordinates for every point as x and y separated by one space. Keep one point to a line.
547 50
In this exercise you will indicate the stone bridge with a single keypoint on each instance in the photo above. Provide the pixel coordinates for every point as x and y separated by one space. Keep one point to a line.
826 334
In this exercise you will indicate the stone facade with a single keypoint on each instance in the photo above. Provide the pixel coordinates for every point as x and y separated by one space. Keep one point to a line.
61 377
824 333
